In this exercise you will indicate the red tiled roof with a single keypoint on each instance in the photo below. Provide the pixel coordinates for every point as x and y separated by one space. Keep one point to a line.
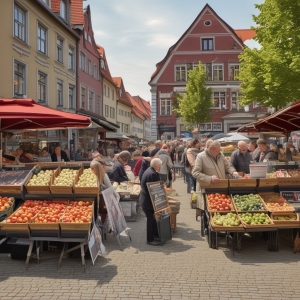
105 73
124 99
77 16
135 107
144 106
160 64
55 6
245 34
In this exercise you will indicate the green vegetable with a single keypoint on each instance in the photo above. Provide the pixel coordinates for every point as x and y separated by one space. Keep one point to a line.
248 202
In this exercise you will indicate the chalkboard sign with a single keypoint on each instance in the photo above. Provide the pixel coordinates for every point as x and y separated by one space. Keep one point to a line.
158 195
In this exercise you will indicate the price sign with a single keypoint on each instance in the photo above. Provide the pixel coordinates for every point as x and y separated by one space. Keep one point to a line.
158 195
291 196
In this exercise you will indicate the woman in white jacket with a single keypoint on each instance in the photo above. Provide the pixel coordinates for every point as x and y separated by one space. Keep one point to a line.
167 164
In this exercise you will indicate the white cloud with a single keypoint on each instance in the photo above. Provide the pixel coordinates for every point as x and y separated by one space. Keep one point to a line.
154 22
161 40
100 33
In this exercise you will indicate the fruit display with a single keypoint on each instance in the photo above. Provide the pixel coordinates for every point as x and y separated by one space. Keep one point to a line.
41 179
229 219
65 177
5 203
275 202
255 218
248 202
285 218
294 173
219 202
13 177
282 173
87 179
51 212
78 212
24 214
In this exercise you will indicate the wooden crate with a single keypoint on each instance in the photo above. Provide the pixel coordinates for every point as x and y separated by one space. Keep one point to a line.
36 189
271 225
21 228
288 181
285 223
173 218
242 182
262 182
11 189
9 210
265 210
223 183
84 190
56 189
216 227
232 208
273 198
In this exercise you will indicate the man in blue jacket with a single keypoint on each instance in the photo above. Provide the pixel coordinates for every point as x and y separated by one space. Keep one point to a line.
150 175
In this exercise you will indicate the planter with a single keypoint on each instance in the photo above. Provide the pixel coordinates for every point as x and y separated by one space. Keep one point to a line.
194 205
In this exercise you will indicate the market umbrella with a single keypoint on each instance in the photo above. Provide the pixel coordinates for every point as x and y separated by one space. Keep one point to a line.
235 137
22 114
285 120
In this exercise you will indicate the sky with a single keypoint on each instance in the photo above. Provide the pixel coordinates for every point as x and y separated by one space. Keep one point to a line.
136 34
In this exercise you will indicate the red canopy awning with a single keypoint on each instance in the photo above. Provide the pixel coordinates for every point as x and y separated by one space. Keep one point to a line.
22 114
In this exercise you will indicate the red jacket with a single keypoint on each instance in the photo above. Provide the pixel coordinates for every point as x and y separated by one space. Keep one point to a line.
137 166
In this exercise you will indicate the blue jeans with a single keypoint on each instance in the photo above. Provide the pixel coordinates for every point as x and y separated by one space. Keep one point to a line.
191 182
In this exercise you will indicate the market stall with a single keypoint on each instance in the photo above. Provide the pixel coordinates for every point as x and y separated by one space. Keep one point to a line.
266 205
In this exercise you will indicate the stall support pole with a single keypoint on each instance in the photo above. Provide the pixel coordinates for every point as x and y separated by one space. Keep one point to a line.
29 253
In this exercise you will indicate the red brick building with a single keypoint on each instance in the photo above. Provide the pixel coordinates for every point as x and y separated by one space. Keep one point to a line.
212 41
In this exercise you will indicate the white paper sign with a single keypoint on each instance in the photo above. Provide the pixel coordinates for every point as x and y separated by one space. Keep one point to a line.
95 243
115 215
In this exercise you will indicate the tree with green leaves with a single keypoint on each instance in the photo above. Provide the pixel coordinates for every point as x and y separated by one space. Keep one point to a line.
271 75
194 105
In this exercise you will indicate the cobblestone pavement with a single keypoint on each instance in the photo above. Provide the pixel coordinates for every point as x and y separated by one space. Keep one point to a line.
184 268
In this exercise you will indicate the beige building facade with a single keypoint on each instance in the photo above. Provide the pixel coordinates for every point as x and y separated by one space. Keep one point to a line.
38 54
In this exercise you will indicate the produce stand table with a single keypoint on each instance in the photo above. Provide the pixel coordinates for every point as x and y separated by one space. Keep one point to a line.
82 243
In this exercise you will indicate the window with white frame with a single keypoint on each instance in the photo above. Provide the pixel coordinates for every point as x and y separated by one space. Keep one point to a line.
59 49
207 44
71 57
19 23
63 9
71 96
82 61
90 67
208 68
59 93
95 71
234 71
218 99
218 72
91 100
42 87
125 128
112 112
83 97
120 93
102 64
165 107
99 105
217 126
42 39
106 110
180 73
235 100
108 92
105 92
19 79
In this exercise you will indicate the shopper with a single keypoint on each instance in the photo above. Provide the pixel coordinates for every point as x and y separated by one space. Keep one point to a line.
118 173
22 157
265 153
191 155
59 155
138 164
150 175
211 165
241 158
167 165
98 168
45 156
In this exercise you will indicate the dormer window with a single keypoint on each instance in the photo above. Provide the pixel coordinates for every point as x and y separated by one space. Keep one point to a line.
120 93
102 64
65 9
